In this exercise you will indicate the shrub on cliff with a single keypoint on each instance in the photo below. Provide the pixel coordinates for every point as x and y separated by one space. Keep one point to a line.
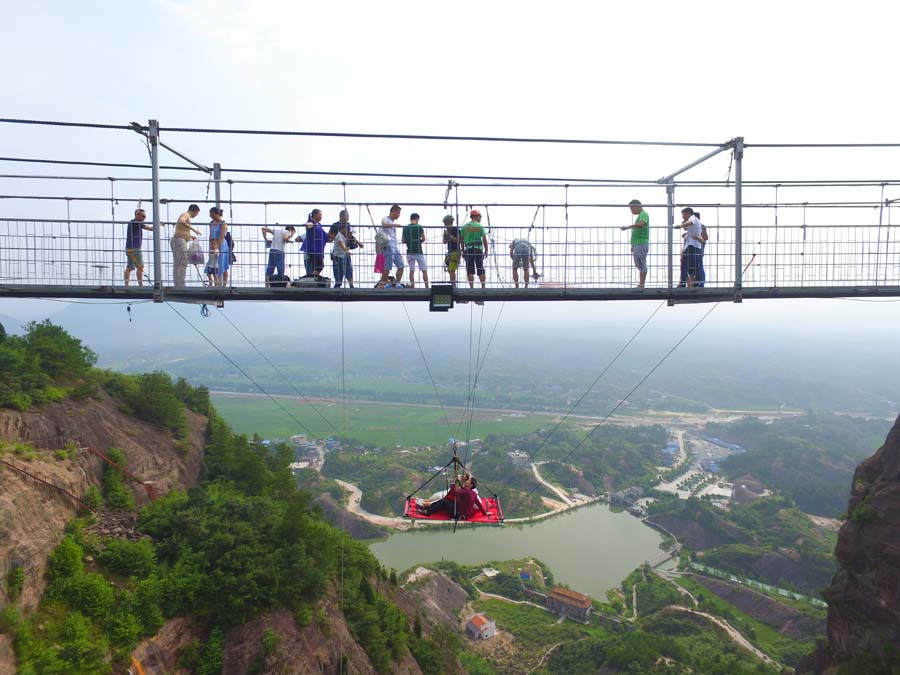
39 366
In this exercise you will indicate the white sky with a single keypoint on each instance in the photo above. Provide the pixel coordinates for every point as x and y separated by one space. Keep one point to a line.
693 71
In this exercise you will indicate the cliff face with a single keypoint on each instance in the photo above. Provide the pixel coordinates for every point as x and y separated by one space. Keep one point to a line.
319 647
864 596
33 516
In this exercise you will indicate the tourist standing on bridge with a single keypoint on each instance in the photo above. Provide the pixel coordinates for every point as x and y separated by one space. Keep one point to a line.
701 272
392 256
344 219
134 236
414 236
184 232
693 231
640 238
475 248
522 253
314 244
451 238
219 250
280 237
341 265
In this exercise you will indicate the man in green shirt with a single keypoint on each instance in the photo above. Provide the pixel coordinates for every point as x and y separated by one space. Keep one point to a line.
413 236
475 247
640 238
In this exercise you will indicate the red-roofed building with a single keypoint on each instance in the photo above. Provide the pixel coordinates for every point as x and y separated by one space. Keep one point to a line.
569 603
481 627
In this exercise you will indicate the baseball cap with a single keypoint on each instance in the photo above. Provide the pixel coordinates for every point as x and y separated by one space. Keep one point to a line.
474 212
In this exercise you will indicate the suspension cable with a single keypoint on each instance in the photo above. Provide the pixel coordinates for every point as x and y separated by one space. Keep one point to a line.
635 388
596 381
424 360
241 370
277 369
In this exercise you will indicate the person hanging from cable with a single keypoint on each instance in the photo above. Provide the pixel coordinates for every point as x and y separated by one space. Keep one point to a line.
475 247
219 252
451 239
640 238
134 237
522 253
184 232
461 500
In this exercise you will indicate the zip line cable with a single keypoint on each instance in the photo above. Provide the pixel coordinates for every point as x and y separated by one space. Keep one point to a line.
634 389
596 381
425 361
474 386
134 126
278 370
241 370
54 123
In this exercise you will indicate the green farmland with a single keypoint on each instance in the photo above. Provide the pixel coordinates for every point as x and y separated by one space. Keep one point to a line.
383 425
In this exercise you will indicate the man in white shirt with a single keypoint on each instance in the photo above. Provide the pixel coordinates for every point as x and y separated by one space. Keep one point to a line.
280 237
693 244
392 256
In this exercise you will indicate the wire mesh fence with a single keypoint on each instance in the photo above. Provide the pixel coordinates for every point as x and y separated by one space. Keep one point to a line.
91 253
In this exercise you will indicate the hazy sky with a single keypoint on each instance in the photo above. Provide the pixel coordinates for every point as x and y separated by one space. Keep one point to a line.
695 71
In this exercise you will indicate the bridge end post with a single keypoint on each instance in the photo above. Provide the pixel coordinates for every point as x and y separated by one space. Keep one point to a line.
738 219
153 136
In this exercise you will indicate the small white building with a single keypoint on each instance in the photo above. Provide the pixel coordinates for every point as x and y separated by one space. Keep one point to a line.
481 627
519 459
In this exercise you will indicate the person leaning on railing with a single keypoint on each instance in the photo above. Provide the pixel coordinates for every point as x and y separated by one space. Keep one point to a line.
640 238
475 248
184 232
134 237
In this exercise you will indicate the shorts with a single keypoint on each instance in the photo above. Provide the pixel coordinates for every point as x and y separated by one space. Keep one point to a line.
393 257
414 259
135 258
692 260
639 253
451 261
475 261
212 263
520 260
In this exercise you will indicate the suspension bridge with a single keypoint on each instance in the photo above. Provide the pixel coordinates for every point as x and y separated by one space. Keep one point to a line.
63 224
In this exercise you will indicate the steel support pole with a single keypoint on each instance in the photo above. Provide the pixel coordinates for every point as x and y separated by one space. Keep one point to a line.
153 135
738 219
217 181
670 218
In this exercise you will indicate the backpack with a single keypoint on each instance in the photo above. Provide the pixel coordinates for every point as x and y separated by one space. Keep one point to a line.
311 281
232 258
704 237
279 281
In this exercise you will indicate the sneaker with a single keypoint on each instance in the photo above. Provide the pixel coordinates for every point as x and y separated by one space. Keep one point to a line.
536 275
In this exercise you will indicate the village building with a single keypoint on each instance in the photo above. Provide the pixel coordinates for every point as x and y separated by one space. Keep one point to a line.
568 603
519 459
481 627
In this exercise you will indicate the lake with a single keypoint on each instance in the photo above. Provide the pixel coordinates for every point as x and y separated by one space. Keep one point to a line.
590 549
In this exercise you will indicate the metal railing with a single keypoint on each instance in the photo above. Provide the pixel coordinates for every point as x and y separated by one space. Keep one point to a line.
91 254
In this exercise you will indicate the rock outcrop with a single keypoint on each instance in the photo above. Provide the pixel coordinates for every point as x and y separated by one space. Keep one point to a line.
33 515
864 596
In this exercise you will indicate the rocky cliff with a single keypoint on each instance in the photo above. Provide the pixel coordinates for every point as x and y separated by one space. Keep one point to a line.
864 596
33 514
